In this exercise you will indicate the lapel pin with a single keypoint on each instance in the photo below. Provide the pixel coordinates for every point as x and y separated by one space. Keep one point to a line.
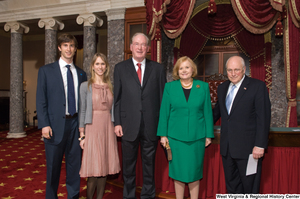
198 86
245 88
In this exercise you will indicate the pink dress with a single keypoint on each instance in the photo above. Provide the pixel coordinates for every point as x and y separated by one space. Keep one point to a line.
100 154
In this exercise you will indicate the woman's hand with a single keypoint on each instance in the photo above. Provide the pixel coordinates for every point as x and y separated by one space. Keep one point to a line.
207 142
81 131
81 143
164 140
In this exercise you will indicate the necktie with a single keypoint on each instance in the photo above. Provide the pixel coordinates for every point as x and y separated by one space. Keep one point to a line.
71 92
139 72
229 98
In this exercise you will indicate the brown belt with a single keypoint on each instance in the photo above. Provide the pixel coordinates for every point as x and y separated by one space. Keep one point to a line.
71 116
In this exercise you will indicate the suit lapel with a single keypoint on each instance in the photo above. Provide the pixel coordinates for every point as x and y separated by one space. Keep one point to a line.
131 69
242 90
193 92
58 74
223 93
148 70
79 77
180 92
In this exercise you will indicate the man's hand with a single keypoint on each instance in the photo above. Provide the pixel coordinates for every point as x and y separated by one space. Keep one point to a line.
47 132
258 152
118 130
164 140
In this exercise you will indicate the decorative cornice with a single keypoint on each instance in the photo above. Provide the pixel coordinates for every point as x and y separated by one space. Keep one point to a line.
16 27
51 23
89 20
115 14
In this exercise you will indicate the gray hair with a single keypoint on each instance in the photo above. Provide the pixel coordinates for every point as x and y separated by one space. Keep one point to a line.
241 59
140 33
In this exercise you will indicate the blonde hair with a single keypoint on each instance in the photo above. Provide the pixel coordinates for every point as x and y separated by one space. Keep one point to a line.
106 75
177 66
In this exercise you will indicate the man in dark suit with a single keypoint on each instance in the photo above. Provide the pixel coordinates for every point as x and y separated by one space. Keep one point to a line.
57 108
138 89
244 106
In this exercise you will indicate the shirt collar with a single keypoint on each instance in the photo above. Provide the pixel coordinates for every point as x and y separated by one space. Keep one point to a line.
135 62
62 63
239 83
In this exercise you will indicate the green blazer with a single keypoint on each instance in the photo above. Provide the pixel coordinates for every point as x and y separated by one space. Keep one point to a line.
186 120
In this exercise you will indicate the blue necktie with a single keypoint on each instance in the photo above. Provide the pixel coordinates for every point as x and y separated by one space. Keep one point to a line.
229 98
71 92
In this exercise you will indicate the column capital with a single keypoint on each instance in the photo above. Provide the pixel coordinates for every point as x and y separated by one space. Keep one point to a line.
89 20
16 27
115 14
51 23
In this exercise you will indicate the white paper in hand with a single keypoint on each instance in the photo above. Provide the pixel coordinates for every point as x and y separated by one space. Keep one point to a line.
251 166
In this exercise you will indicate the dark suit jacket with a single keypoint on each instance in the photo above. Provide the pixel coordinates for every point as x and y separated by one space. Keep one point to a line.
51 99
248 124
131 100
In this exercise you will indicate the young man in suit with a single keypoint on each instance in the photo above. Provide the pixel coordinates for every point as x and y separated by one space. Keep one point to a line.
245 109
138 89
57 108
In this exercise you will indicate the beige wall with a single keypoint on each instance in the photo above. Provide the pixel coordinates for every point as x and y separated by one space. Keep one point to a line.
33 59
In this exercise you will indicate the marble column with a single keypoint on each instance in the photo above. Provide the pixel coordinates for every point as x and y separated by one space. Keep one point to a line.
90 22
277 93
115 37
51 25
167 55
16 112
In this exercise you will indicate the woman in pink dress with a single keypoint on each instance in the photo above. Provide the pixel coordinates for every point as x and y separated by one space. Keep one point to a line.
97 138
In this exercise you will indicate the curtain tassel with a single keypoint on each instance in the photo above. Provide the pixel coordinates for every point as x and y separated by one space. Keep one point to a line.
212 7
279 28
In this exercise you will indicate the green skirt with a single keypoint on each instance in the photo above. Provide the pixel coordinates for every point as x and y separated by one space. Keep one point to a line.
187 160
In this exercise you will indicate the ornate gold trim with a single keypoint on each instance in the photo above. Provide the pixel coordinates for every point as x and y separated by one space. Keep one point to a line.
295 10
268 37
177 42
287 123
158 51
239 6
205 5
287 58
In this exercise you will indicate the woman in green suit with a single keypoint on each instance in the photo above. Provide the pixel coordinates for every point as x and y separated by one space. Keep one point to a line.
186 123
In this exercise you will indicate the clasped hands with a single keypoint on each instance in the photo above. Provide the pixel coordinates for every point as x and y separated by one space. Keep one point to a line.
164 140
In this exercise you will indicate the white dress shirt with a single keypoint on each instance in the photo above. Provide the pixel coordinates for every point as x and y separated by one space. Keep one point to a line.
235 91
63 70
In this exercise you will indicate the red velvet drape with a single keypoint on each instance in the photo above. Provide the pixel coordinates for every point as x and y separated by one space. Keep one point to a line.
257 16
201 27
223 25
277 5
291 53
172 16
294 7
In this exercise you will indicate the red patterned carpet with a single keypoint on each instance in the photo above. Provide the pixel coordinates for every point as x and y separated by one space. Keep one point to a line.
23 170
